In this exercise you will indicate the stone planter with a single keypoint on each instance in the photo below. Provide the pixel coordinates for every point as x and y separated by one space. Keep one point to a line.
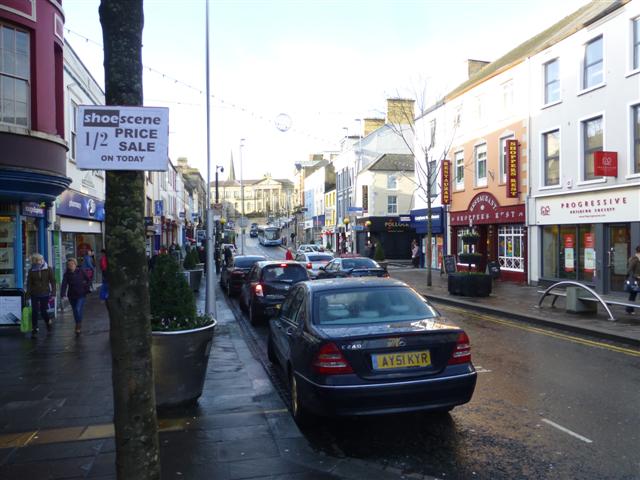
195 278
469 285
180 361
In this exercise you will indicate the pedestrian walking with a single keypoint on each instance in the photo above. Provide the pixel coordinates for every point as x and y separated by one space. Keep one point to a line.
415 254
104 266
633 278
41 285
289 254
75 286
372 249
88 266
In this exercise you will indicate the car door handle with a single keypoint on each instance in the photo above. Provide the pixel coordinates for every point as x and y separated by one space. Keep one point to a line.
289 331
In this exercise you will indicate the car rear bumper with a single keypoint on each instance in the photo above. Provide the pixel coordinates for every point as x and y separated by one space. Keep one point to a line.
385 398
269 306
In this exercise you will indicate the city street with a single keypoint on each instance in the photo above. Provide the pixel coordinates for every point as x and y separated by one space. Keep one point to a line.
547 405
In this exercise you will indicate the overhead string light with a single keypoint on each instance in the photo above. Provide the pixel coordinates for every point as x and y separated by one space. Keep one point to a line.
177 81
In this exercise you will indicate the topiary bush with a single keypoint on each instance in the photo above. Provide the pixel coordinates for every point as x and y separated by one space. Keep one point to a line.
173 305
191 259
379 253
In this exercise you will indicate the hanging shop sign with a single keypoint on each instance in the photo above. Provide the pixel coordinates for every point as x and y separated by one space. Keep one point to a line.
513 162
605 164
122 138
365 198
484 208
609 205
445 194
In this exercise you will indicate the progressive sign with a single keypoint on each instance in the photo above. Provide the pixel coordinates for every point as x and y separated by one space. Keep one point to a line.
122 138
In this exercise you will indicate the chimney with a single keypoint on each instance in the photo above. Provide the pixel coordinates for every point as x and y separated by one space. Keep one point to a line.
474 66
371 124
400 111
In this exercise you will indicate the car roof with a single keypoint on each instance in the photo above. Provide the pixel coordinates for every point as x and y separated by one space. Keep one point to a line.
352 282
257 257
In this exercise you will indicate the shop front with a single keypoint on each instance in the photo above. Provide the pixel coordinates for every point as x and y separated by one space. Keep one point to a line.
79 228
419 220
587 237
502 233
394 234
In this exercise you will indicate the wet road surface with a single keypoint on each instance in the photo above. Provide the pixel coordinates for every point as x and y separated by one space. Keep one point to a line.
546 405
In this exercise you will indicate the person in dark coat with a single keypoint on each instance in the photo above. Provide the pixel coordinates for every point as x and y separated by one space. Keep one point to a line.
75 286
41 284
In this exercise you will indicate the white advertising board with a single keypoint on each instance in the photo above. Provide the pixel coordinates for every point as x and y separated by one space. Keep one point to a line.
616 205
122 138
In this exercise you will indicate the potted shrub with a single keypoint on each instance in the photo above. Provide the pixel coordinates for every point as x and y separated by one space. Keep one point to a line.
190 265
181 338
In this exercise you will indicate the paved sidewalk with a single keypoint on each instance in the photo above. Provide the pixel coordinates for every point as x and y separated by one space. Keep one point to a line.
520 302
56 413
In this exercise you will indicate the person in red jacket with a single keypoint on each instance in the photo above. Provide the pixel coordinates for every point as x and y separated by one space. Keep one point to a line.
289 254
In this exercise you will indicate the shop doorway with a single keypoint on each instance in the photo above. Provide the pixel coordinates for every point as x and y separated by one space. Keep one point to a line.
619 251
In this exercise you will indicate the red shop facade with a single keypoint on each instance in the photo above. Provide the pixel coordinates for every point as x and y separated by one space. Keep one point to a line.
503 235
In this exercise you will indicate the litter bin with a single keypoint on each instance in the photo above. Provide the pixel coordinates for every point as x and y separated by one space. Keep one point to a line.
576 304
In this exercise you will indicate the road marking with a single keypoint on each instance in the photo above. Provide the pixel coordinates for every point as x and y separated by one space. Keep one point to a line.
480 369
561 336
566 430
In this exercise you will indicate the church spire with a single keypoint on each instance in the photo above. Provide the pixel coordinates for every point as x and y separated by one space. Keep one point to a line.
232 171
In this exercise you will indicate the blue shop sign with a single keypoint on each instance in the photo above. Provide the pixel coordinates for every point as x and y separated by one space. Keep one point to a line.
33 209
75 204
419 220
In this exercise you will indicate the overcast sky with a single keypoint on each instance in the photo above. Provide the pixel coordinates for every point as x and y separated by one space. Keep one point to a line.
323 63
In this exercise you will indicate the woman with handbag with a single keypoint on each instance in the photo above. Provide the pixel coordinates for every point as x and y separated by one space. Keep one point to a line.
41 284
75 286
633 278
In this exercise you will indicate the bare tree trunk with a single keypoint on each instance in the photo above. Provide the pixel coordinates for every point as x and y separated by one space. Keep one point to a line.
430 173
136 427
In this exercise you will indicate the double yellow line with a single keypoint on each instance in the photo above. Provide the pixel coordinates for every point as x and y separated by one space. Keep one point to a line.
541 331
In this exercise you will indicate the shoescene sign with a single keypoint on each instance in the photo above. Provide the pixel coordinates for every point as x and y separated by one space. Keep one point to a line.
122 138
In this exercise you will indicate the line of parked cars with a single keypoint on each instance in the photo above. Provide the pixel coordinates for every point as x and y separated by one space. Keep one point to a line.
352 341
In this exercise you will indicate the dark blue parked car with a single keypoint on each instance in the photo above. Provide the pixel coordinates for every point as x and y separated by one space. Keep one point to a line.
368 346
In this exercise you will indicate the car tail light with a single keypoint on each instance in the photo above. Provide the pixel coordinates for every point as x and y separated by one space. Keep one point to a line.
309 266
329 360
462 352
258 290
283 265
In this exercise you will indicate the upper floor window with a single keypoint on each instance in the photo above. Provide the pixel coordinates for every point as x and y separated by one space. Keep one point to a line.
636 139
592 141
73 124
551 157
636 43
392 182
459 159
507 96
503 157
552 81
480 155
392 204
593 63
14 76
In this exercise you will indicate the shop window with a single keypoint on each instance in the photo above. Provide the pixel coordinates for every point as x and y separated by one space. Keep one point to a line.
511 247
592 141
15 67
551 157
550 249
462 246
568 252
7 249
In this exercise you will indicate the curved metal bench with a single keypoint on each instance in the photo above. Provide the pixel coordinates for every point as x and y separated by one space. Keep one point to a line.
572 283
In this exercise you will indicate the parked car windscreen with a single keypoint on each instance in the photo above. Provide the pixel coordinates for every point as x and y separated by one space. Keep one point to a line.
284 273
370 305
359 263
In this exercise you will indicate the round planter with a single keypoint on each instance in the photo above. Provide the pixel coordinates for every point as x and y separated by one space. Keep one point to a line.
469 285
180 361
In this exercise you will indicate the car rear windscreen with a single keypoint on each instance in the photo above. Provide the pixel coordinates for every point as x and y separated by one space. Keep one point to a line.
319 258
284 273
246 262
370 305
359 263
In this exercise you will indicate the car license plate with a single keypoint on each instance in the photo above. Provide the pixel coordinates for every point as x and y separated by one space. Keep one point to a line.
389 361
